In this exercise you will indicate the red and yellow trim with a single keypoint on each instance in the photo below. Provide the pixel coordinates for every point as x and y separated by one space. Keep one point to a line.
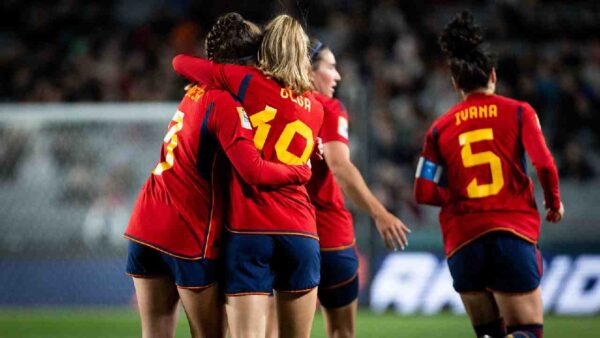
196 287
511 230
139 241
241 294
297 291
271 232
340 284
340 248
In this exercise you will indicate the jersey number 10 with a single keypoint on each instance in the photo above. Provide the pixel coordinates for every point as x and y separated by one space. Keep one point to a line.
259 121
469 159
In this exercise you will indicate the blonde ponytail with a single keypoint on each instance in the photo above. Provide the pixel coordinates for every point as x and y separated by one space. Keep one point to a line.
283 54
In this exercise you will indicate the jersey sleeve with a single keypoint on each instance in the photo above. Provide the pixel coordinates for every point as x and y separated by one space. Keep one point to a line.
335 123
429 187
535 145
215 75
232 128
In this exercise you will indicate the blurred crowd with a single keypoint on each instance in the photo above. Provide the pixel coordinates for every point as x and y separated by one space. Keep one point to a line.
394 77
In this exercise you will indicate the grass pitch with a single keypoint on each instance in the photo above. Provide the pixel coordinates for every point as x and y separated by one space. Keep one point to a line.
116 323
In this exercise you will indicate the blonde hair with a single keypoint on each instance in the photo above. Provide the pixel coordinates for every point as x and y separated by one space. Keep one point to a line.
283 54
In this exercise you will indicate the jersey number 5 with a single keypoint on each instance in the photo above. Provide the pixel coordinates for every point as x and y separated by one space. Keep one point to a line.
259 121
469 159
171 140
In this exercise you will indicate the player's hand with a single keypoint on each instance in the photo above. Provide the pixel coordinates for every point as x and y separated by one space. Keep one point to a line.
392 230
555 216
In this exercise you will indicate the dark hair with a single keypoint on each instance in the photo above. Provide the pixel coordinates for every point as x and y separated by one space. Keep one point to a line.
232 40
315 49
470 64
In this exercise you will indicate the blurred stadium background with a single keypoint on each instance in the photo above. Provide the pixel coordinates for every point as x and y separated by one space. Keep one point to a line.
87 91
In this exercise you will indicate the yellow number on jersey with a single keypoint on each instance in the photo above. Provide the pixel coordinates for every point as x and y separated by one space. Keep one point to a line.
469 159
171 139
260 122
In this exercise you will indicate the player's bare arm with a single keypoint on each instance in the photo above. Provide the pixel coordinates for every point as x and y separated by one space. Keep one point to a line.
392 230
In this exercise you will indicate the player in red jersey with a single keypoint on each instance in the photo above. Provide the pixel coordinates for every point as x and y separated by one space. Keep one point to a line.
176 223
473 166
272 237
338 291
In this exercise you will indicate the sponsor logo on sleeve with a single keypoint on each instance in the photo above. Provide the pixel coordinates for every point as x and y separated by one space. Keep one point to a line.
244 120
343 127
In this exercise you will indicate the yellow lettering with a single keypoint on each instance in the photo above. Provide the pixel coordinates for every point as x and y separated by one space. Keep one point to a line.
493 109
457 115
472 112
464 115
483 111
284 93
307 104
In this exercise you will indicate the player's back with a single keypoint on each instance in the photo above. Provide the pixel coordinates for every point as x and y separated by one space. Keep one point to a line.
286 126
178 211
479 142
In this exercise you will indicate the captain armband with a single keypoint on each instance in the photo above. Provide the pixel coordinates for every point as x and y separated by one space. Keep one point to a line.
429 170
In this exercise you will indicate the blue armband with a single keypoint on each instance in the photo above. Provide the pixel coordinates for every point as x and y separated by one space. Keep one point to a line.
429 170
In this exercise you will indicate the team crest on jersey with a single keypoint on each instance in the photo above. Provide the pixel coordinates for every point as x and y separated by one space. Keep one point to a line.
244 120
343 127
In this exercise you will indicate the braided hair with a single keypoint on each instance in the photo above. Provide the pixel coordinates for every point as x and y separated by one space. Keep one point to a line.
470 63
232 40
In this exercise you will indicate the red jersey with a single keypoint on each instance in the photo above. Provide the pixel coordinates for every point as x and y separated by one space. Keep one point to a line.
179 211
481 144
334 222
286 126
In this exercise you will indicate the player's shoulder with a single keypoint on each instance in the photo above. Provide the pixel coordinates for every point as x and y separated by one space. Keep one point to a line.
511 103
331 105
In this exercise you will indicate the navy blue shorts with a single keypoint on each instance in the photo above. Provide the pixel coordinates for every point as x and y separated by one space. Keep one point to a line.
258 264
339 278
146 262
499 261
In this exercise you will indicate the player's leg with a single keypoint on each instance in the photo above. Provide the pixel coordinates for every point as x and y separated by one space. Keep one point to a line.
272 326
297 272
483 313
295 312
155 290
524 313
248 282
469 269
340 322
247 315
158 304
516 285
196 282
204 310
338 291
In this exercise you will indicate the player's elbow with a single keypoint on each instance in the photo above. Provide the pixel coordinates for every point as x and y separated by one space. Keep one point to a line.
178 63
424 193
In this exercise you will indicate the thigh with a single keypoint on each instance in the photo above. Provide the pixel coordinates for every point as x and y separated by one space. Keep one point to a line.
158 303
468 267
247 265
516 265
521 308
296 263
295 312
204 310
480 306
247 315
339 278
340 321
